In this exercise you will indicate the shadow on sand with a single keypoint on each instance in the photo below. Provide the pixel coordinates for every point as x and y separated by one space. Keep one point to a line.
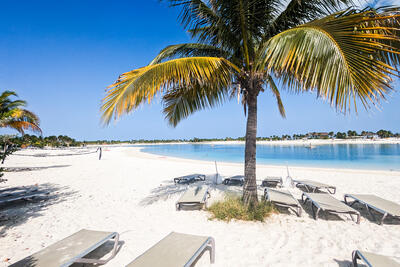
18 212
346 263
168 188
27 169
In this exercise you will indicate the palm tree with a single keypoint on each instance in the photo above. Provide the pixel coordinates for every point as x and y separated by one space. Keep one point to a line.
12 115
243 47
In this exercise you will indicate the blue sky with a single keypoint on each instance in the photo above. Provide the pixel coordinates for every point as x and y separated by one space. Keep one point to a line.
61 55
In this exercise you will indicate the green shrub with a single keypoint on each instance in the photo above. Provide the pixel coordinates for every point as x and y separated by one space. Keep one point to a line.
234 208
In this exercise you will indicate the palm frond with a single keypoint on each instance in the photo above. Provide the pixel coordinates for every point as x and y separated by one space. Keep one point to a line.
180 102
21 126
277 95
188 50
343 57
138 86
297 12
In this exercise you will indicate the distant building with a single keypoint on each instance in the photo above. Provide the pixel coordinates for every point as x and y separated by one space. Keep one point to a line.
316 135
369 135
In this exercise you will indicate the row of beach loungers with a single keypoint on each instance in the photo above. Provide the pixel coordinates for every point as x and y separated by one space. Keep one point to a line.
327 203
176 249
197 197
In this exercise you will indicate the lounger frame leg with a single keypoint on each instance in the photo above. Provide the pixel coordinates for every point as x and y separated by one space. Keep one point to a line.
298 211
354 258
383 218
333 190
209 246
94 261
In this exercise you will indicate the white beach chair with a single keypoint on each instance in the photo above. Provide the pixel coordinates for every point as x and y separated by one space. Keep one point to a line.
194 197
327 203
71 250
312 186
176 249
373 260
283 198
383 206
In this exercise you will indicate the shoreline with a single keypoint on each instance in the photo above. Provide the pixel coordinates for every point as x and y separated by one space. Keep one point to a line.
388 141
260 165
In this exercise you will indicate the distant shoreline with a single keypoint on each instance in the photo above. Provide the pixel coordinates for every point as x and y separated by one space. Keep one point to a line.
302 142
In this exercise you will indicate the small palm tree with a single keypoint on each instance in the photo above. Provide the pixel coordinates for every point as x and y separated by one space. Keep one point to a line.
242 47
12 115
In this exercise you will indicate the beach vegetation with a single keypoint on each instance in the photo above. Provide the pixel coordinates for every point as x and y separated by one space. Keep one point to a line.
233 208
243 48
13 114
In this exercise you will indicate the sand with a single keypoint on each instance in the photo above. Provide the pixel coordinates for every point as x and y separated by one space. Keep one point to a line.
132 193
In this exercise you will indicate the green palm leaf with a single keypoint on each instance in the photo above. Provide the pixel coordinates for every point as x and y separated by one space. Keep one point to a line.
343 57
141 85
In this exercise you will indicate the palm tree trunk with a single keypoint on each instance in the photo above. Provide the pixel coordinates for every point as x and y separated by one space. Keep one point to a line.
250 185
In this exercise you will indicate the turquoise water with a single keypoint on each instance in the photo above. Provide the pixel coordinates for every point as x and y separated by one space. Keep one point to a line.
367 156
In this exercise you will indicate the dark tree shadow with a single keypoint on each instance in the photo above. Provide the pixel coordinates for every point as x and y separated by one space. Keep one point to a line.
168 189
27 169
17 212
345 263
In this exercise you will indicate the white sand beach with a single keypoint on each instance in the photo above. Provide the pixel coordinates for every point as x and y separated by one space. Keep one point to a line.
132 193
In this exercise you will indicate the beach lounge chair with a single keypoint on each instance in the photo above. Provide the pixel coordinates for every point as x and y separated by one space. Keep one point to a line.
194 197
190 178
327 203
376 203
176 249
283 198
272 182
312 186
234 180
71 250
373 260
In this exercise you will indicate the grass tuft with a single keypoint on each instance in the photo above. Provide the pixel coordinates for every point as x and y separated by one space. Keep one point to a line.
234 208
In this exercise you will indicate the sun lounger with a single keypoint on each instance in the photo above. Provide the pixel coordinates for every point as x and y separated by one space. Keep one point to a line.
376 203
190 178
234 180
194 197
283 198
71 250
327 203
272 182
373 260
176 250
312 186
7 198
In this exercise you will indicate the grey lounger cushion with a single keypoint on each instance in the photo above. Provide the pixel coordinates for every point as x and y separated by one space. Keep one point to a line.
381 205
234 180
271 181
283 198
191 178
373 260
69 250
194 196
174 250
328 203
312 186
